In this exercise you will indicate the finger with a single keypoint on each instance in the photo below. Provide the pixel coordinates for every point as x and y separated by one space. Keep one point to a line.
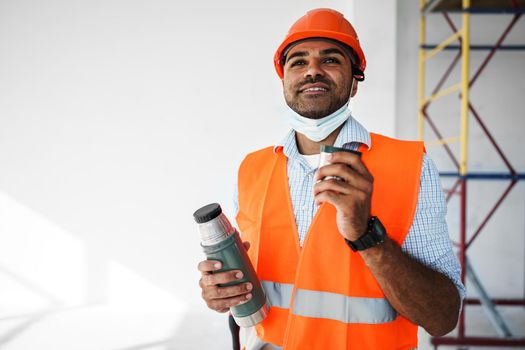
340 201
209 266
332 185
212 293
225 304
343 172
246 245
343 201
351 159
220 278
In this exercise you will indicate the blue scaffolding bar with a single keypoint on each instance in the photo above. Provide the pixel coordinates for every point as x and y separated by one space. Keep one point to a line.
485 176
477 47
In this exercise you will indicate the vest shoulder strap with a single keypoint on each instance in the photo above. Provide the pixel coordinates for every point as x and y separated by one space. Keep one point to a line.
254 175
256 161
396 190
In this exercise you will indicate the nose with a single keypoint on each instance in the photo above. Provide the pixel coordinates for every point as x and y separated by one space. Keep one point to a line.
313 69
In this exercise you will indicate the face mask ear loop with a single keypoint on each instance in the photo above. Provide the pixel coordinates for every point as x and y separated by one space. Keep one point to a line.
351 90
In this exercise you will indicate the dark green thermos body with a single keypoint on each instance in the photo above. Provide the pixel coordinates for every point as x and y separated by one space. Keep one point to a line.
220 241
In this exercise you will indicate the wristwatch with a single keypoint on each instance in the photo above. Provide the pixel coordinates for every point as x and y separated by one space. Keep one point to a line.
375 234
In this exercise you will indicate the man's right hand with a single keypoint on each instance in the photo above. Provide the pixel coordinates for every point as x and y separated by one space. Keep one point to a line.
222 298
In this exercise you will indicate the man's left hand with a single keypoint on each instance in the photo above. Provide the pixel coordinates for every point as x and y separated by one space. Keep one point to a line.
350 192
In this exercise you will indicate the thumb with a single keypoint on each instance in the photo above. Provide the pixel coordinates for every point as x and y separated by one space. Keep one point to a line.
246 245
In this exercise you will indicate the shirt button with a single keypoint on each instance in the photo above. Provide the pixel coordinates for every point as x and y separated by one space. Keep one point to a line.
305 207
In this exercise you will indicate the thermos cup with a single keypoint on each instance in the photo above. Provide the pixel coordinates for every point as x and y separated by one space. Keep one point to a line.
325 151
220 241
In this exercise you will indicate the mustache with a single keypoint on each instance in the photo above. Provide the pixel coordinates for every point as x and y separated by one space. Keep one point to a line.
313 80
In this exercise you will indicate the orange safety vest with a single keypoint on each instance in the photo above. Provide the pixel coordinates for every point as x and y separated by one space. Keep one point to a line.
322 295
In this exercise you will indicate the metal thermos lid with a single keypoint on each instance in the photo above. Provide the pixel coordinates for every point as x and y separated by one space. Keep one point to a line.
207 213
332 149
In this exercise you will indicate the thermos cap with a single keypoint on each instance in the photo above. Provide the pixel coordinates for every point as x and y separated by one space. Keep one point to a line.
207 213
332 149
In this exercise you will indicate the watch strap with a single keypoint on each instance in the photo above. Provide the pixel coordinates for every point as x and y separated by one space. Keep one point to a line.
370 238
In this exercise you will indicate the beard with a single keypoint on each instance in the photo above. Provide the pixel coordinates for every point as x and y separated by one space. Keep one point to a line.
317 106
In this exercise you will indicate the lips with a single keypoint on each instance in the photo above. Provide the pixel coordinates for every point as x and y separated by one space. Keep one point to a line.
314 88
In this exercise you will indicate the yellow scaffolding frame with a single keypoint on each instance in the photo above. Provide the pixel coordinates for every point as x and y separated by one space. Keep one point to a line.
463 85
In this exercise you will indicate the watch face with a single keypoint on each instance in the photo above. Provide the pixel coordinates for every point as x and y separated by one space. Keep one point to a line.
379 229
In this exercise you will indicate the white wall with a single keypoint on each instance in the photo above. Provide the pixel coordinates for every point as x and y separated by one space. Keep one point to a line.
375 103
117 120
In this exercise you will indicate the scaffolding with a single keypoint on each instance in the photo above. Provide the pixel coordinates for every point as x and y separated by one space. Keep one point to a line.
513 8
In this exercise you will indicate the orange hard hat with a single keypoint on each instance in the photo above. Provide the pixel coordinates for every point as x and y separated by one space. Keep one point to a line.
321 23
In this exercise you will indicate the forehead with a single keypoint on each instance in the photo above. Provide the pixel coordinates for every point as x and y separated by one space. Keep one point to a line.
316 47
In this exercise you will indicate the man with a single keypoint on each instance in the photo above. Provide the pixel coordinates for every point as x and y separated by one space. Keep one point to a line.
356 256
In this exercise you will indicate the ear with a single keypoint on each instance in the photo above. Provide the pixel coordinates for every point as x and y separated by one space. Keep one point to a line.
354 88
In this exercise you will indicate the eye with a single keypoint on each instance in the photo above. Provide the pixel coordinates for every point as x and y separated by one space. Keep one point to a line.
297 63
331 60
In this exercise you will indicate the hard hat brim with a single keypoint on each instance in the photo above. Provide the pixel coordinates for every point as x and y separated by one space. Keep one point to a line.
298 36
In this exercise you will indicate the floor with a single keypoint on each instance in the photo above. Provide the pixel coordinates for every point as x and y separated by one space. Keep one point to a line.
102 327
113 328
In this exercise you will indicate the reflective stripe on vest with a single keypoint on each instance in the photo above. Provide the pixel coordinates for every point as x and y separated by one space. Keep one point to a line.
278 294
339 307
342 308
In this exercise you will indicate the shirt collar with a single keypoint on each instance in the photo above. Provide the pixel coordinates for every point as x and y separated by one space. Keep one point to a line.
352 131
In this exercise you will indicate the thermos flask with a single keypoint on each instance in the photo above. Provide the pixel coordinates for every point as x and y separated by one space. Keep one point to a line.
220 241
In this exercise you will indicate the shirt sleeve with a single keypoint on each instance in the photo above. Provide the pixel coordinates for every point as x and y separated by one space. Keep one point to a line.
427 240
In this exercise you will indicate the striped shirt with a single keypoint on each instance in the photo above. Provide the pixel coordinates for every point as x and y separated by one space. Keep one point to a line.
427 241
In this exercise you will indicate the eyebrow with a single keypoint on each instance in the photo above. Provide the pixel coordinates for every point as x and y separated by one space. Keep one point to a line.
297 54
332 51
323 53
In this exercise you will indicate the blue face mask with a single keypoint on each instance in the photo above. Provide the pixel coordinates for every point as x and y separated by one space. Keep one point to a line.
318 129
